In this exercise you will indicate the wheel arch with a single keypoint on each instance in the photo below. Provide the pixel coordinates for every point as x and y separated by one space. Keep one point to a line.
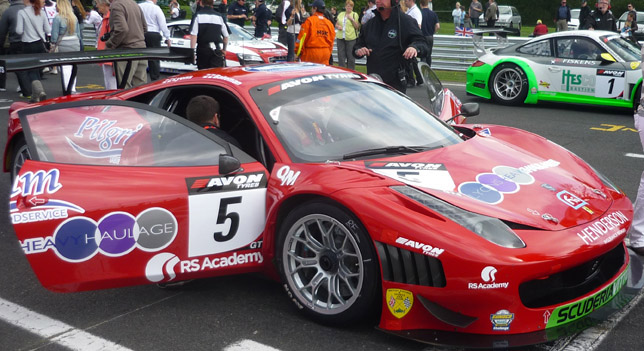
634 95
532 79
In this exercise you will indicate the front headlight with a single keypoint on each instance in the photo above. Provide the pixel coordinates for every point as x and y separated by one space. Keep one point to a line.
488 228
249 58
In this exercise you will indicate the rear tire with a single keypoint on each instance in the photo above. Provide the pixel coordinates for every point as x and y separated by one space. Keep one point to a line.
508 84
328 264
636 98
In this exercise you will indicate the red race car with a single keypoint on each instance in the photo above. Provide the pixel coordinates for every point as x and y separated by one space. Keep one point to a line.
358 199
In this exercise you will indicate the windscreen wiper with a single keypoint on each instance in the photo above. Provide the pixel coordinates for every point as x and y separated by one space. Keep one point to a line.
386 151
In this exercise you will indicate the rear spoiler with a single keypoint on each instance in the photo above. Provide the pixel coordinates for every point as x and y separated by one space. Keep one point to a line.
501 39
14 63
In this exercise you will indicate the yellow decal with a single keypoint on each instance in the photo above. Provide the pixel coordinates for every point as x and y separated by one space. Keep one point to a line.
635 64
544 84
613 128
399 302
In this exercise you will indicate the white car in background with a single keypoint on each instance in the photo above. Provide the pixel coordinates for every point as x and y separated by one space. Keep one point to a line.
509 17
243 48
573 24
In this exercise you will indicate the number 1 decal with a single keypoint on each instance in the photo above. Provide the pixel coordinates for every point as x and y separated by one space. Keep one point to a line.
223 215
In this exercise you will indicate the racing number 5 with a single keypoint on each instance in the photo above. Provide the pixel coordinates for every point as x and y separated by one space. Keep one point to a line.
223 215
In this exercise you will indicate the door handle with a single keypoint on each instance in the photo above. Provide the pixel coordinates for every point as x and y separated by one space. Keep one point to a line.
554 69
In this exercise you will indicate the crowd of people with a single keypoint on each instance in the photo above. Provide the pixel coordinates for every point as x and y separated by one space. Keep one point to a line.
41 26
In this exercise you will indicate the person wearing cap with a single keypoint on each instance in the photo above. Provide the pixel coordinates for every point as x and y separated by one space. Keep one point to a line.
562 17
315 41
540 29
389 40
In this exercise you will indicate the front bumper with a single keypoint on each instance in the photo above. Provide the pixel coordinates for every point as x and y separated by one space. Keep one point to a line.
477 81
546 322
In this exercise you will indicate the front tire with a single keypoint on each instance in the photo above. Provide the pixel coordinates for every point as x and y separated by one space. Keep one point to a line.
508 84
636 98
19 155
328 264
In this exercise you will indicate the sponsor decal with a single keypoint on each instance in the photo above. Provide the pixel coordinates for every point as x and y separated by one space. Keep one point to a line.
422 247
399 302
392 33
580 83
308 80
118 233
220 77
27 187
501 320
571 200
217 183
610 73
635 64
490 187
548 186
608 224
544 84
175 79
488 275
104 136
573 62
163 265
550 218
425 175
287 175
485 132
578 309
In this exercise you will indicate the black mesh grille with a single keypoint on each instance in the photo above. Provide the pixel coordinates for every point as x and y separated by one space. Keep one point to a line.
573 283
403 266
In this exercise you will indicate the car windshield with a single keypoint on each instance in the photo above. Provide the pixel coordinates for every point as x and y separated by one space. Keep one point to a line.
341 116
626 49
505 11
239 34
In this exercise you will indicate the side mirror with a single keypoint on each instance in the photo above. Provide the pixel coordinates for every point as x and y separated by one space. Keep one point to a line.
228 164
468 109
607 58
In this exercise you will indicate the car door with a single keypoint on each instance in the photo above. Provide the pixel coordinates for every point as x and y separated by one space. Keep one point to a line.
581 72
120 193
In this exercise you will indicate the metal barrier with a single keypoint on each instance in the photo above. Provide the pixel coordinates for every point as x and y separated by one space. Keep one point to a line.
450 53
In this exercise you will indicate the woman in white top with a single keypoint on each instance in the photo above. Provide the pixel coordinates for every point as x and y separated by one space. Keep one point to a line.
66 36
296 14
32 26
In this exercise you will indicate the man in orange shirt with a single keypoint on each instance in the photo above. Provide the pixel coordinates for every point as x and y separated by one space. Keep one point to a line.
315 41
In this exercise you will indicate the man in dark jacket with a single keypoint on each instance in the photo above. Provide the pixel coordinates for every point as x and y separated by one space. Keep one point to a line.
262 19
8 27
602 18
388 40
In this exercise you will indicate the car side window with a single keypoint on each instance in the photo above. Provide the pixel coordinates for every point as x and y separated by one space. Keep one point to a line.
539 48
578 48
120 134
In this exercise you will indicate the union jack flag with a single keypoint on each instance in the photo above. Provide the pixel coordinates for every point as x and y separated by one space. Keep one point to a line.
464 32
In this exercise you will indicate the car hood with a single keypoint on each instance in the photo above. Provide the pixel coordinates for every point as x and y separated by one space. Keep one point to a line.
257 44
550 189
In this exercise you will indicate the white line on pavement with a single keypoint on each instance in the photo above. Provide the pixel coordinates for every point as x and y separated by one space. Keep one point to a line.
633 155
59 332
249 345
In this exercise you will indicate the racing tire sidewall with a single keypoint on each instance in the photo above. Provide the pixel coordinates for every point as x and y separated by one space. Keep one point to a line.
524 84
365 307
637 97
19 146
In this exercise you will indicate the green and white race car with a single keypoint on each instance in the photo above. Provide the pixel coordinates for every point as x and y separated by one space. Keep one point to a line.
588 67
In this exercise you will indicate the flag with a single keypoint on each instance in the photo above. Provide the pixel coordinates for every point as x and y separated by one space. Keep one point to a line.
464 32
